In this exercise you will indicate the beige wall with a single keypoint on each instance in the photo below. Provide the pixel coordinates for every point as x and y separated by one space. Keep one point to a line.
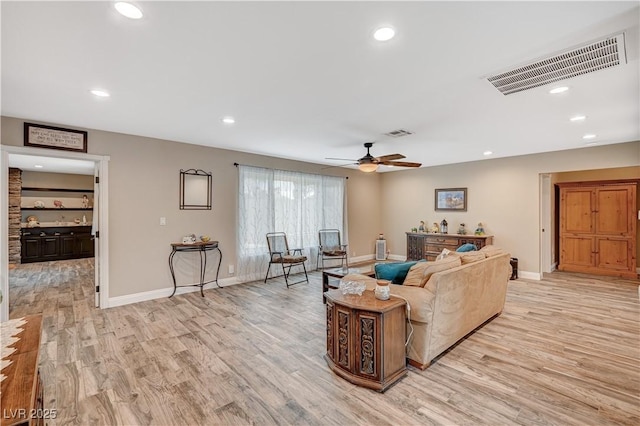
143 186
143 178
503 194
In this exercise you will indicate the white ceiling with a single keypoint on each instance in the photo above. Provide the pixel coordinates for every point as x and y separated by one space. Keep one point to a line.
35 163
305 80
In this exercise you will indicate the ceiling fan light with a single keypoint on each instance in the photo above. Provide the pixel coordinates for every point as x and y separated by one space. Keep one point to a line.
368 167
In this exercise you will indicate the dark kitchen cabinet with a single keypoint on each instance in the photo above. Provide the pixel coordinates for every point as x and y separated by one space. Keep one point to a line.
56 243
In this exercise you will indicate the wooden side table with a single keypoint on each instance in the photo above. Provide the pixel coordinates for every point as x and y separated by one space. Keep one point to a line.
365 339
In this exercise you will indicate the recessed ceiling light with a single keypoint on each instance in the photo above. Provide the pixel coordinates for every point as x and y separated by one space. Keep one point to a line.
578 118
129 10
557 90
38 166
591 143
487 153
228 120
589 136
100 93
384 34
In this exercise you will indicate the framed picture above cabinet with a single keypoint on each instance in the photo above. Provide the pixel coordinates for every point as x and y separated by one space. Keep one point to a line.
451 199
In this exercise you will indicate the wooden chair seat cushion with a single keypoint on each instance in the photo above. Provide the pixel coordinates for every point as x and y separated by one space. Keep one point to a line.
293 259
334 252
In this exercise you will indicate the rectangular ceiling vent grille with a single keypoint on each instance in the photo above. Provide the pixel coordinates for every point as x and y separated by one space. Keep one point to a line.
398 133
599 55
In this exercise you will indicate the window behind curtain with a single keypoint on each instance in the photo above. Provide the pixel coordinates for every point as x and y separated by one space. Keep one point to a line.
298 204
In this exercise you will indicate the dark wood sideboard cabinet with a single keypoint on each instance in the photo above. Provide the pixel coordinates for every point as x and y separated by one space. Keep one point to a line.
56 243
421 245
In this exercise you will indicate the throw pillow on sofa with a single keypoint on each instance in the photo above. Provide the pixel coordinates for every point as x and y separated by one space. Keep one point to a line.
394 272
471 256
414 277
466 247
420 273
491 250
448 262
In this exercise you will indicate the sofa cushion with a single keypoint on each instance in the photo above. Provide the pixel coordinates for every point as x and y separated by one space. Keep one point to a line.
471 256
414 277
420 299
448 262
466 247
395 272
491 250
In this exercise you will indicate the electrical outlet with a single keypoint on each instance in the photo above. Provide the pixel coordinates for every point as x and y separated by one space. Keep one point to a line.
163 221
353 254
231 269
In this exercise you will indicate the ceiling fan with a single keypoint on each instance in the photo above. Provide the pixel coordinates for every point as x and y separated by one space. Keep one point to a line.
369 163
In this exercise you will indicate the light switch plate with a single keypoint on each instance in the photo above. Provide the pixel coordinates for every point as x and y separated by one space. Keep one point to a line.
163 221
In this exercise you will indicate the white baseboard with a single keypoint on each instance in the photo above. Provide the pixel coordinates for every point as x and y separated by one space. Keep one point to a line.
165 292
530 275
397 257
370 257
359 259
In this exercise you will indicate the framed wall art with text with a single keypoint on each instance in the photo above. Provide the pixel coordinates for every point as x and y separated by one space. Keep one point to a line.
42 136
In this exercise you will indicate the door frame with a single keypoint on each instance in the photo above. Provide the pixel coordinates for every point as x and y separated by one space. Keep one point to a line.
102 260
545 224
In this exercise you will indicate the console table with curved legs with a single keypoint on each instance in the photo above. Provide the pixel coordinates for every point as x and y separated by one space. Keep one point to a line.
201 247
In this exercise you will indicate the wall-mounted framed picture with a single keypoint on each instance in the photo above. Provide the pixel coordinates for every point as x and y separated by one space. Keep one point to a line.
51 137
451 199
195 190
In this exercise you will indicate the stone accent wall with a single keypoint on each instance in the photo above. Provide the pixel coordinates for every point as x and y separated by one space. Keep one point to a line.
15 195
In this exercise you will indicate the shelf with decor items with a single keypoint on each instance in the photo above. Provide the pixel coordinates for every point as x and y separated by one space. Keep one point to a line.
69 198
28 188
73 206
422 245
56 208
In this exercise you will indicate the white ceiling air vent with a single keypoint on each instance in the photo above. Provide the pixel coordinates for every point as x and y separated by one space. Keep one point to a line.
605 53
398 133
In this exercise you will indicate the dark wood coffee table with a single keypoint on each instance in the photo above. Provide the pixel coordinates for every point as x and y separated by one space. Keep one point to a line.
339 273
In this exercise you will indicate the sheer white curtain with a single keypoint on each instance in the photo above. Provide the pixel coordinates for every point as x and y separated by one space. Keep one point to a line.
298 204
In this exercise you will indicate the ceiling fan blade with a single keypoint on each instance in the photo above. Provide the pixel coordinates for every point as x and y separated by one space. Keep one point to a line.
400 163
390 157
342 159
340 165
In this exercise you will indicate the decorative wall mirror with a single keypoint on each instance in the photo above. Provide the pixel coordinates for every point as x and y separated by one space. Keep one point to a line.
195 190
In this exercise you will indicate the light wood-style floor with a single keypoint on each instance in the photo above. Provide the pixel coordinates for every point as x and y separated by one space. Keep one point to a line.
565 351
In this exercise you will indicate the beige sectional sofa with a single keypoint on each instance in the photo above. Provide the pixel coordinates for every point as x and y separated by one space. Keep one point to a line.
465 291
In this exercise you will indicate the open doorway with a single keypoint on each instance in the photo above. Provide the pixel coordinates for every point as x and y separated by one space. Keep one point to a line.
88 217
